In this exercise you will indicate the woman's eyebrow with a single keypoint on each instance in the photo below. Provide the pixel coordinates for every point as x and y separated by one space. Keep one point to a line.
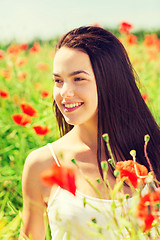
72 73
78 72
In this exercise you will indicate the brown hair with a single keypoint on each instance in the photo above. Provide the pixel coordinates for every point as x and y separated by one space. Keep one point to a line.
122 112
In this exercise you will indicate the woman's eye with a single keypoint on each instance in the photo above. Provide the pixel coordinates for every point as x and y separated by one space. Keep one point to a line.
57 80
78 79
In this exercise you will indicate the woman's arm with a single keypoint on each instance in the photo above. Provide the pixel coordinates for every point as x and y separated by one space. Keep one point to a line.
33 204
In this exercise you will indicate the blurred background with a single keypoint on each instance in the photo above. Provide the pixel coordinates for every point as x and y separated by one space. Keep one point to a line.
25 20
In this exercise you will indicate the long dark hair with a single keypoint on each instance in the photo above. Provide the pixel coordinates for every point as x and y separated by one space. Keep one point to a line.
122 112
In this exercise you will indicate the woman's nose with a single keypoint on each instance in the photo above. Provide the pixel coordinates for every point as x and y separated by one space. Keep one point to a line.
67 91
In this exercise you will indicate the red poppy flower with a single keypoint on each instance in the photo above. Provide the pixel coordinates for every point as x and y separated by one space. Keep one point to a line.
23 46
148 222
42 66
150 39
148 208
44 94
158 45
13 49
62 176
28 109
2 54
156 195
127 169
4 94
35 48
41 130
131 39
125 27
21 119
144 96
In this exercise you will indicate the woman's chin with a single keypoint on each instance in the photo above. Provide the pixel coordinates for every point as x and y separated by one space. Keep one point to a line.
69 121
72 121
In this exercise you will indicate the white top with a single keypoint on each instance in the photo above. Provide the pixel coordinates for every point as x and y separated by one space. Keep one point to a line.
67 214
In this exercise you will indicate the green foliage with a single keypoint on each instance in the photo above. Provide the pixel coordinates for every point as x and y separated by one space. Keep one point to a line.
18 141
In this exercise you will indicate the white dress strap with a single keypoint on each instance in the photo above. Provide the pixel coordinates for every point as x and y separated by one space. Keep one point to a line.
53 154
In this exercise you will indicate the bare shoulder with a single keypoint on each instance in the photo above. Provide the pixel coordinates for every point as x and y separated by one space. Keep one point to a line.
42 158
34 192
36 162
38 159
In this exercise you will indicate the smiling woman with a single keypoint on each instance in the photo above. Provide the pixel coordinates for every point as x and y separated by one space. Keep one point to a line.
94 93
73 87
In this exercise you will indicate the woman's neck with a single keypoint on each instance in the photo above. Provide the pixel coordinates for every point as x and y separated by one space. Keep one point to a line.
86 134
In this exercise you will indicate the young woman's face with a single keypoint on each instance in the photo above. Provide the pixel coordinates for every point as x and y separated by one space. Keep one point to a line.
75 90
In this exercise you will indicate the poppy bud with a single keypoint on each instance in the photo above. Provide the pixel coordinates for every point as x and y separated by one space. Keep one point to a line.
105 137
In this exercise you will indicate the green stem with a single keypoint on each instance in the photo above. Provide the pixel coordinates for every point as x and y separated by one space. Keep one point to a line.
106 183
91 206
5 200
87 179
149 163
110 151
94 188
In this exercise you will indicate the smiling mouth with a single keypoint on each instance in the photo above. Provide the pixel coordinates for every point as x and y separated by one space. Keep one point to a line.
72 106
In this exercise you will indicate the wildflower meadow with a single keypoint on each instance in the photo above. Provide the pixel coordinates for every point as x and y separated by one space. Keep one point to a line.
27 121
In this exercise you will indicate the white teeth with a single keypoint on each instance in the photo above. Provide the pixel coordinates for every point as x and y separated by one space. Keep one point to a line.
72 105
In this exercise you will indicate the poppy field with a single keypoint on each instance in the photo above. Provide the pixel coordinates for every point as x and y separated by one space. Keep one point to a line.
27 121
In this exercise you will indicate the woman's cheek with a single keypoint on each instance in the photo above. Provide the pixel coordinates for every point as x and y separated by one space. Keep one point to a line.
54 93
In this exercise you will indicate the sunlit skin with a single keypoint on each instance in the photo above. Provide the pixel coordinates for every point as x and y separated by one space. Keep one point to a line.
75 90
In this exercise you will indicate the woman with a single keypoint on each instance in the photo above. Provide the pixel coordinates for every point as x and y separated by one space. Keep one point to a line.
94 93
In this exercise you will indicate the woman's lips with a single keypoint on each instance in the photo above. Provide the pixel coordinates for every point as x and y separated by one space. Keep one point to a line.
70 107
